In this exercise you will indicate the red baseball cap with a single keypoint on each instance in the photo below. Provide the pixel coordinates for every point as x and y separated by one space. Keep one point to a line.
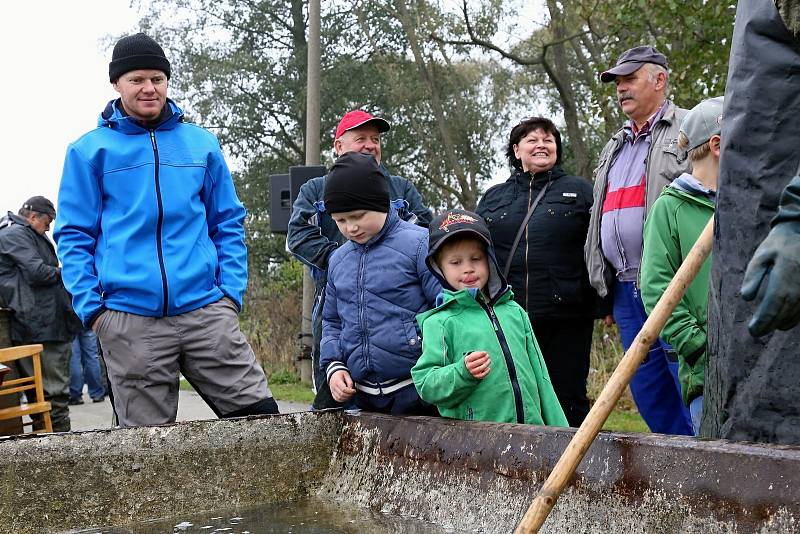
356 118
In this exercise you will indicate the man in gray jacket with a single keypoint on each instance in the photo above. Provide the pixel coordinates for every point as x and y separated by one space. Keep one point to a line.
30 284
634 166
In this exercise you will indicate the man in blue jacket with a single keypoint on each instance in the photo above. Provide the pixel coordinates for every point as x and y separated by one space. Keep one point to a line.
313 235
150 233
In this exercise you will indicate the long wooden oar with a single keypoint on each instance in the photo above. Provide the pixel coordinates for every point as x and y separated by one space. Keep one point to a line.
546 498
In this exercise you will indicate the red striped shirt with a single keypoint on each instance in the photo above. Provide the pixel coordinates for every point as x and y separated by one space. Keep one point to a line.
625 197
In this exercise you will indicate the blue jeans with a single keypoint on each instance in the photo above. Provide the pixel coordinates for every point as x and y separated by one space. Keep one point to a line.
696 409
84 365
655 386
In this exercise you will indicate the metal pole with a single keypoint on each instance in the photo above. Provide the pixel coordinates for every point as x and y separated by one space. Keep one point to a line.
312 82
312 158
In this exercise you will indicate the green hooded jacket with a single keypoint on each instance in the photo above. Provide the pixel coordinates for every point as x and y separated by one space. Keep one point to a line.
517 393
672 227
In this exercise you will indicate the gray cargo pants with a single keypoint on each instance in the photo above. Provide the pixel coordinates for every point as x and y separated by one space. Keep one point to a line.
144 356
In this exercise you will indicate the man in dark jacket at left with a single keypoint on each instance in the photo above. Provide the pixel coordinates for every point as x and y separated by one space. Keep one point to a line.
30 284
151 235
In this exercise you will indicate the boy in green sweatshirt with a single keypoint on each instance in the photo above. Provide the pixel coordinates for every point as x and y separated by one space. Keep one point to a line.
675 222
479 359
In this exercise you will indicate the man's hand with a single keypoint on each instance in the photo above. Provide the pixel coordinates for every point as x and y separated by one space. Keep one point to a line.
341 385
773 280
608 321
478 364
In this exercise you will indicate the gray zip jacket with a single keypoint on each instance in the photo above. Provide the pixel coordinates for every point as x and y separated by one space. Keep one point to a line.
661 168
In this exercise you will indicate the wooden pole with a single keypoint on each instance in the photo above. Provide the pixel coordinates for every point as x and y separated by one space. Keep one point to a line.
312 158
546 498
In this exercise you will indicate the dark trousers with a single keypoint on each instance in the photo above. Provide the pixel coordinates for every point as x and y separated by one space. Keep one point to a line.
565 345
55 382
403 402
323 399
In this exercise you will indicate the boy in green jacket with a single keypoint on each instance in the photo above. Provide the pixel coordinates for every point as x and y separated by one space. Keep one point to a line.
675 222
479 359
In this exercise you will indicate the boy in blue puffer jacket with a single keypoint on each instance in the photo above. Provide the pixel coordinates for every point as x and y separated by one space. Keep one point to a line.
377 283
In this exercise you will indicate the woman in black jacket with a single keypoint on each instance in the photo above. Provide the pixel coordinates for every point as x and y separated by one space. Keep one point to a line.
547 270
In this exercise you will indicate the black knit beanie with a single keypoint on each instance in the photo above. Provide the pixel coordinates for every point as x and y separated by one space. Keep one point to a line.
355 182
136 52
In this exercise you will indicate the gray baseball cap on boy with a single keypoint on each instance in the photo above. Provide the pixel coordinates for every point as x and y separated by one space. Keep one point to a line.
702 122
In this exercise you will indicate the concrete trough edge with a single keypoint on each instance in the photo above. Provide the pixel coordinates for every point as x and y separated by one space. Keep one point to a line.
468 476
482 476
111 477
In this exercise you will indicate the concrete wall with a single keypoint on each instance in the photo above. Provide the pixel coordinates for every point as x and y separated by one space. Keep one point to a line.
482 476
466 476
113 477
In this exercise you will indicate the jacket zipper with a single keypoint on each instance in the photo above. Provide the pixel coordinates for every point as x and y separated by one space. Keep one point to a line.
527 226
512 370
361 305
159 226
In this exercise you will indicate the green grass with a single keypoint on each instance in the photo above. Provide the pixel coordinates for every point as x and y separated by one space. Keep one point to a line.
624 421
285 386
292 392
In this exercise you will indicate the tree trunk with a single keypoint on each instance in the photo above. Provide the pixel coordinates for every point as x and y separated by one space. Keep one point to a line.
564 84
466 196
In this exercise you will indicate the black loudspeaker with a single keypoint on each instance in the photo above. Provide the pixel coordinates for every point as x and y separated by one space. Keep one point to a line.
284 189
280 203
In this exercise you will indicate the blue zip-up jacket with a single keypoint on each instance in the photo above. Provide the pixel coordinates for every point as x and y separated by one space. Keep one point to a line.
373 296
148 220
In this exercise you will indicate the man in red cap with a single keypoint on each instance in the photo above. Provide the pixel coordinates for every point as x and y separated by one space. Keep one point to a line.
313 235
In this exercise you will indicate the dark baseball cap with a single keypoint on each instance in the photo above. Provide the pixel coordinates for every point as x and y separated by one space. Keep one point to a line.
40 205
456 221
632 60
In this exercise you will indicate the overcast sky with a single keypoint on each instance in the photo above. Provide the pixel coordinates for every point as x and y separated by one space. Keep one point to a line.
55 83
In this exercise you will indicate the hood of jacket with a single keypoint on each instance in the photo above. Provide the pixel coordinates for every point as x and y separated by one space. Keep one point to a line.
114 117
11 219
680 189
450 299
461 222
691 185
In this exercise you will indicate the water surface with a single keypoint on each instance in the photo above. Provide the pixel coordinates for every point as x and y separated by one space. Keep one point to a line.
310 516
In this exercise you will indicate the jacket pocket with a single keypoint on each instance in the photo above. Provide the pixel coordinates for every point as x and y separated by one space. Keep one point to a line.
671 166
211 263
566 286
561 206
412 339
497 210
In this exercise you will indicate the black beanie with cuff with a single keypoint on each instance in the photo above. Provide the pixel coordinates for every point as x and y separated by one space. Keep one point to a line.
355 182
136 52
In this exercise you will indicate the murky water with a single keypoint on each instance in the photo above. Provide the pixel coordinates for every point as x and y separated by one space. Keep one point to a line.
300 517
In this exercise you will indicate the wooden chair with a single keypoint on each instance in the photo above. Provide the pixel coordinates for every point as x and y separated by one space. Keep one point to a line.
17 385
